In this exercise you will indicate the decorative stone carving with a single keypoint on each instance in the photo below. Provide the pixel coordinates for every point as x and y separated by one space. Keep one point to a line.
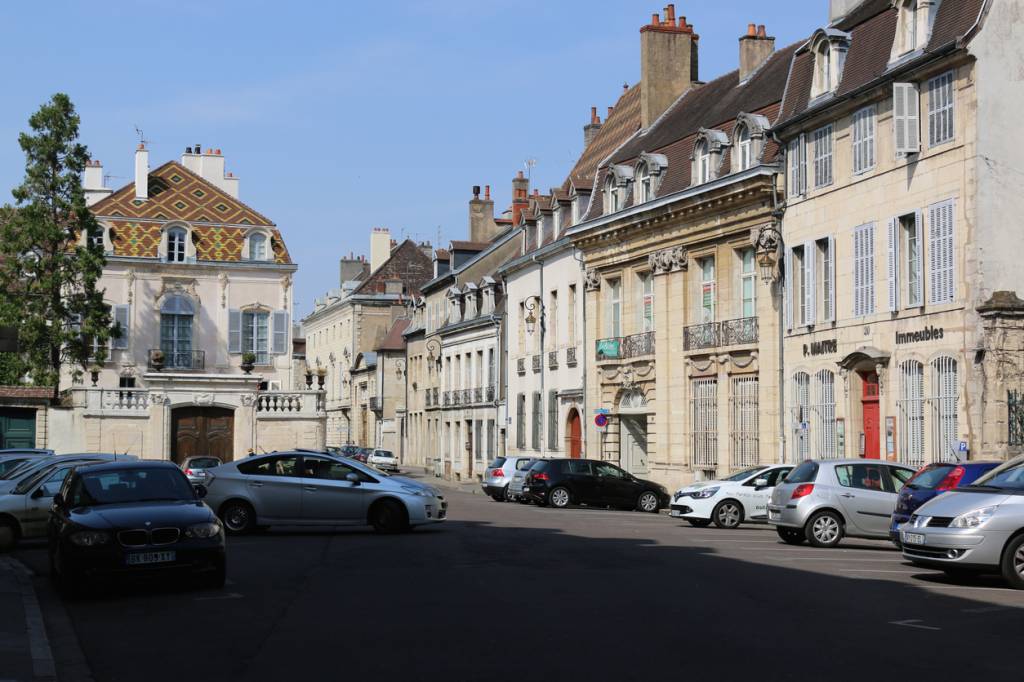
202 399
592 280
668 260
223 279
129 281
286 284
248 399
157 398
171 286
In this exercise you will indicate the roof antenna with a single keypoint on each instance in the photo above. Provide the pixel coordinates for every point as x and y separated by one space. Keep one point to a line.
529 164
142 137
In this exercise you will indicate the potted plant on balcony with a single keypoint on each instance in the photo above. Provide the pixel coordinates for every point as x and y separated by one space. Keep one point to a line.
156 359
248 361
321 374
309 378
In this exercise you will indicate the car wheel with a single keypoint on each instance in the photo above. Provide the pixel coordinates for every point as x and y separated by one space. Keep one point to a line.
648 502
1013 563
498 497
509 497
388 516
791 536
559 498
728 514
8 535
239 517
825 529
699 523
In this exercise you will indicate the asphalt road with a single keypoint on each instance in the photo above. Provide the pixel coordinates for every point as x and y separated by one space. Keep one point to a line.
511 592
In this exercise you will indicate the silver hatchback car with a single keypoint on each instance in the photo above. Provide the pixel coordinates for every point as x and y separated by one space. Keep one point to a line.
497 479
973 529
821 501
312 488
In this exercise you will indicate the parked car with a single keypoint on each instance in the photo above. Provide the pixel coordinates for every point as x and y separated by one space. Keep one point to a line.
515 486
561 482
929 482
24 511
821 501
384 460
305 488
13 457
975 528
730 501
29 467
351 451
497 478
195 468
123 518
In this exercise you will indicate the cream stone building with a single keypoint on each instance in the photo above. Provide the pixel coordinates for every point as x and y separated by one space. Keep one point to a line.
199 284
903 331
683 349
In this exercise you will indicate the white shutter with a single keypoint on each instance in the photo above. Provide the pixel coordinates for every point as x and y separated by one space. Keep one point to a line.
121 320
279 332
940 253
894 265
830 265
810 291
803 164
906 118
858 271
234 331
787 295
869 268
919 260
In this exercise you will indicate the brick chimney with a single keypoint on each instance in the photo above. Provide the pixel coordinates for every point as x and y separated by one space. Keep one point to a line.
520 196
755 49
591 129
141 172
668 63
380 247
482 227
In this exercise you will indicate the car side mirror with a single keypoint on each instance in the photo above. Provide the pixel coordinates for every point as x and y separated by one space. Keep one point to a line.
761 483
353 479
200 490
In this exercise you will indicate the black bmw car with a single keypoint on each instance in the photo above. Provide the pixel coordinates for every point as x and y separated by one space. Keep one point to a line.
133 518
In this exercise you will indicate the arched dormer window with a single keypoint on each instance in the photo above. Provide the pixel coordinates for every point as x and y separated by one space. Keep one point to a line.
703 159
829 47
644 190
914 20
823 67
258 246
177 245
648 174
611 195
707 155
748 141
744 157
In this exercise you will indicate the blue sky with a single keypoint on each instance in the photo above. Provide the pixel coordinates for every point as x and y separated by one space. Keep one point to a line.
339 117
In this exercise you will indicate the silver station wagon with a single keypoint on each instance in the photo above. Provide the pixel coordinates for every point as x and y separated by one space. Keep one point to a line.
312 488
821 501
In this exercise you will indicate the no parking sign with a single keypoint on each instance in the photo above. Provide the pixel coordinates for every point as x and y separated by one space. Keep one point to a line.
601 421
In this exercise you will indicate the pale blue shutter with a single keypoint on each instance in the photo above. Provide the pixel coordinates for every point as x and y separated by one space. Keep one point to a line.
893 270
810 290
787 295
234 331
940 252
280 332
917 298
122 319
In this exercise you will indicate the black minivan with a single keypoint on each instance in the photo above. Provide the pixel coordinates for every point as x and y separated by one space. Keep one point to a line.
561 482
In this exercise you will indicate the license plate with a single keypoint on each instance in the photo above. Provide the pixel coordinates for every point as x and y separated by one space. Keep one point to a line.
774 515
526 489
676 512
913 538
149 558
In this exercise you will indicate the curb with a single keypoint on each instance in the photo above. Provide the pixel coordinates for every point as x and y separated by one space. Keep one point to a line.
43 666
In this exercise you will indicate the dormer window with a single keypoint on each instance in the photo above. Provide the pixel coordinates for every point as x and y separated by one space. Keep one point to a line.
258 247
743 150
703 158
177 238
829 47
611 195
707 155
748 141
644 190
823 68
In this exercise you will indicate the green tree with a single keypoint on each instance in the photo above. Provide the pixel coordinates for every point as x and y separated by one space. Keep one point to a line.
48 274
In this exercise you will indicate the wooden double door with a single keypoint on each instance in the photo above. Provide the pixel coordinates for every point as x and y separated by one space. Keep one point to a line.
202 431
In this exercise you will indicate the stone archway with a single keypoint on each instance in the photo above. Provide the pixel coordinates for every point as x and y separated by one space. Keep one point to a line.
574 434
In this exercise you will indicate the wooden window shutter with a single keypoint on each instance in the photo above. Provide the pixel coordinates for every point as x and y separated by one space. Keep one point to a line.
788 289
234 331
279 330
906 117
810 291
893 270
830 265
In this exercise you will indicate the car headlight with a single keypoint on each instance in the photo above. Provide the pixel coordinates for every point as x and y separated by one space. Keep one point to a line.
90 538
422 492
974 519
705 493
203 531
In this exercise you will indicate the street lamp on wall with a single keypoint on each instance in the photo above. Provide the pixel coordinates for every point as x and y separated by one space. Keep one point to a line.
531 319
400 368
768 247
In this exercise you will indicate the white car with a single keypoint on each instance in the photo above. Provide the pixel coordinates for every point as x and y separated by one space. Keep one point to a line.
729 502
384 460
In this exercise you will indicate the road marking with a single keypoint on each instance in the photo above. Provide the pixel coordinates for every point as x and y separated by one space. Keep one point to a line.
1005 590
229 595
987 609
872 570
844 559
913 624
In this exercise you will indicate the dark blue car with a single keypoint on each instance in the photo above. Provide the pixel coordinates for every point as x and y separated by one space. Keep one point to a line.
931 481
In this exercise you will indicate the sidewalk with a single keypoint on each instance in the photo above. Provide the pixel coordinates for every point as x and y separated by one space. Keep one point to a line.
426 475
24 649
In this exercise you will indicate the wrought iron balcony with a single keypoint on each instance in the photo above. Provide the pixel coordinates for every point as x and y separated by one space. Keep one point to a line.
447 398
739 331
634 346
714 334
700 336
478 395
570 356
177 360
553 359
457 397
536 363
489 392
426 398
521 365
433 393
375 403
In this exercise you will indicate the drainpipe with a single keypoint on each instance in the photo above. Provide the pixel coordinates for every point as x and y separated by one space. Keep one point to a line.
583 347
777 211
543 365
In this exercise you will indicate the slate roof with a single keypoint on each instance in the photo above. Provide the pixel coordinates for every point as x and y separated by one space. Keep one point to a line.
462 245
394 340
218 219
407 263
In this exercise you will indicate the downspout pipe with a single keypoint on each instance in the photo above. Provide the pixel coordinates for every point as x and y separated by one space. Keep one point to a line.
778 210
583 346
542 314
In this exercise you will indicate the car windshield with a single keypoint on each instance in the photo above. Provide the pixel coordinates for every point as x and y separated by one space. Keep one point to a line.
9 464
131 485
745 474
203 463
24 467
929 477
1010 479
30 481
805 472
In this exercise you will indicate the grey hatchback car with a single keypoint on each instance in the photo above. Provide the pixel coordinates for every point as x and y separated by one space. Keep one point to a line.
296 488
821 501
497 479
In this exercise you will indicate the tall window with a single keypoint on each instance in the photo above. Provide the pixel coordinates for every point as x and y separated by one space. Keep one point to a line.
748 283
803 288
906 278
258 247
907 32
176 237
704 425
910 408
864 139
940 109
707 289
796 156
822 69
645 304
614 325
551 317
826 272
643 185
95 239
572 314
946 389
537 418
743 148
823 156
552 420
864 270
490 367
703 158
521 421
823 415
176 315
611 194
745 410
801 415
941 282
256 335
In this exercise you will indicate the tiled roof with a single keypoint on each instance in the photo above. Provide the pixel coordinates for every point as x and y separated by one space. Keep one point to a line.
175 193
623 121
442 254
394 340
469 246
872 28
26 392
407 264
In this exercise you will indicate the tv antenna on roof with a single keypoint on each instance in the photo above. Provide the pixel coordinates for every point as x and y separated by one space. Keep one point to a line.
529 164
142 137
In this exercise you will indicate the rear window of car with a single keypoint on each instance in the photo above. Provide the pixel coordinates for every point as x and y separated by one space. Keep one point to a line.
930 477
384 453
497 463
521 465
805 472
204 463
540 465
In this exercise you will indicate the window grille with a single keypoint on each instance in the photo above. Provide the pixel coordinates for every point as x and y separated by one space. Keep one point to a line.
704 411
745 440
801 403
823 415
945 389
940 109
910 411
823 156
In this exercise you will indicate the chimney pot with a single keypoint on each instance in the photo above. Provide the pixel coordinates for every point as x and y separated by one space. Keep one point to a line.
476 191
751 30
487 192
209 150
761 33
199 148
141 146
670 13
655 19
188 150
519 174
610 111
217 152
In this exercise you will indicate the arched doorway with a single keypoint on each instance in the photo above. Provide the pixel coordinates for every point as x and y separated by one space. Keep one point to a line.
632 415
574 434
199 431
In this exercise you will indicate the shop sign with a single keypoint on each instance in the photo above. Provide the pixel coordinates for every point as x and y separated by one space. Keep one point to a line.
926 334
826 347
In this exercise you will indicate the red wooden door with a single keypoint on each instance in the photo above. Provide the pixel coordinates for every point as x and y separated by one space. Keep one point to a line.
202 431
869 404
575 435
